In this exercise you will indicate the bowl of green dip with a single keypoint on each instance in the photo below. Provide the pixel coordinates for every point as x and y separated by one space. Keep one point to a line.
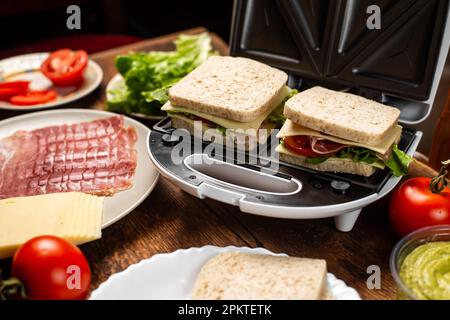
420 264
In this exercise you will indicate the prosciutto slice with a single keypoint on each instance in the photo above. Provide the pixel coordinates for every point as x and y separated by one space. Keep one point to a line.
95 157
324 147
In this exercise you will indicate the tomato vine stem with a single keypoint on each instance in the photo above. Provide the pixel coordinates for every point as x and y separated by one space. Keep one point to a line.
440 182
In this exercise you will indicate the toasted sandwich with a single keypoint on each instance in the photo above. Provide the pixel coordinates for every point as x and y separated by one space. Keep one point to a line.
233 95
335 131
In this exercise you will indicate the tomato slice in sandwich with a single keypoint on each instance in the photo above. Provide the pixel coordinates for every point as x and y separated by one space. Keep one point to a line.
311 147
300 145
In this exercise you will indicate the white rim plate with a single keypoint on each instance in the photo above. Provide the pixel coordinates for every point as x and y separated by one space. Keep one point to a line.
161 276
26 66
116 82
146 177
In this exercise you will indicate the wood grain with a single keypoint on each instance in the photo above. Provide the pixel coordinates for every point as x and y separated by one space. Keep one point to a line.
170 219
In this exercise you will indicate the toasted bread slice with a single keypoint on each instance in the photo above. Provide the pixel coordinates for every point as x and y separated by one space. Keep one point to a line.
330 165
235 275
234 88
343 115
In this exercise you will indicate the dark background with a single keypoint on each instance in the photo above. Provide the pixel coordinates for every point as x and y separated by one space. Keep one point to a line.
30 25
40 25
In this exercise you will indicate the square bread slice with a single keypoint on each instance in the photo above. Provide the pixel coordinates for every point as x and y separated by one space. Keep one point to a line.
234 88
343 115
332 165
245 276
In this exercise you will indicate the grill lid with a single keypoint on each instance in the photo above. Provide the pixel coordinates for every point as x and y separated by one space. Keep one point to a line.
328 43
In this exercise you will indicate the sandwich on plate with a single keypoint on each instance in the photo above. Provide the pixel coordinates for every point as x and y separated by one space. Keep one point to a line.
236 97
335 131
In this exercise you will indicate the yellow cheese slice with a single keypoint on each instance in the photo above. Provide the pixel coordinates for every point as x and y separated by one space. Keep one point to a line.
83 214
292 129
73 216
90 219
94 219
98 217
282 149
88 213
75 219
67 222
226 123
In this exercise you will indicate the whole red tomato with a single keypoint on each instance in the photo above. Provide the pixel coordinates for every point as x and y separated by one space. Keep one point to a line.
52 268
414 206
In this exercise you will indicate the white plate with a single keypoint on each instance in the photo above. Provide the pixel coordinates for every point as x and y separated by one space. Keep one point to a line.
117 82
146 177
26 67
172 276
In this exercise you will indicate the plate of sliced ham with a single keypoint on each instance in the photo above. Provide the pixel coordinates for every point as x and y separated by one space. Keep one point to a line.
91 151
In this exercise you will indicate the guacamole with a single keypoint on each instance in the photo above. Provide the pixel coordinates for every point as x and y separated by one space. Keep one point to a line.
426 271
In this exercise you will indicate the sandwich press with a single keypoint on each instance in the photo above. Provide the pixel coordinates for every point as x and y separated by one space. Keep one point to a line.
323 43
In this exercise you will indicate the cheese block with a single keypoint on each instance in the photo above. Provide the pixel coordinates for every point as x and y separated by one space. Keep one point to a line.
73 216
292 129
226 123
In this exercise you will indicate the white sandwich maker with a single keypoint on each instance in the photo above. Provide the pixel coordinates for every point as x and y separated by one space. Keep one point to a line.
323 43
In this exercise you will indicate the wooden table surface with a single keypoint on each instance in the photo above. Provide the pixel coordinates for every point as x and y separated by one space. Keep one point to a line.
170 219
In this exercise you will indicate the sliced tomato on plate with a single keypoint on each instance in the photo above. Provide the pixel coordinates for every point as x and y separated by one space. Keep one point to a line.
33 97
12 88
7 93
65 67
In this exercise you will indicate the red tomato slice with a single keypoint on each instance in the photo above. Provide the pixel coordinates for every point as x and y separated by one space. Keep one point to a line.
65 67
10 89
19 84
33 97
7 93
300 145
